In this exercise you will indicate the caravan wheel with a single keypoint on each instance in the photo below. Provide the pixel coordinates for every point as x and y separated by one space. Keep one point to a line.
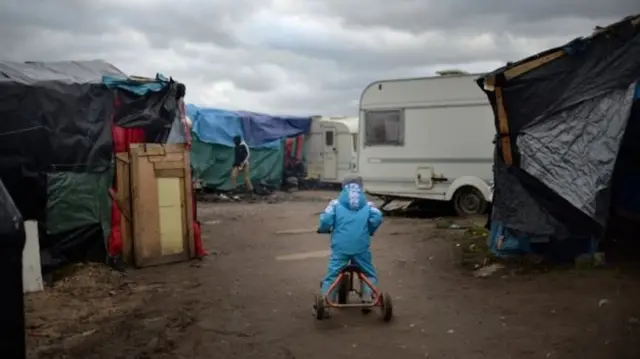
469 201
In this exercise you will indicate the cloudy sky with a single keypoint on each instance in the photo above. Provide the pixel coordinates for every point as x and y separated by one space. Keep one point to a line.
294 56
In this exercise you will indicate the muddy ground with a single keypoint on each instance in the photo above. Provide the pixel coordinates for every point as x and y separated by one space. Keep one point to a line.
251 298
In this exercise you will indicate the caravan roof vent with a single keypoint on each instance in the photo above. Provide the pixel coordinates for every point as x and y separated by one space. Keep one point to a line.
451 72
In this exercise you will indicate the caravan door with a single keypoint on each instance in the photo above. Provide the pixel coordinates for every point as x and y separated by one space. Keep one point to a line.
330 154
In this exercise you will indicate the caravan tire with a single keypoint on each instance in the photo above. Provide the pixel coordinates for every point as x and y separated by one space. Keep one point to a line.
469 201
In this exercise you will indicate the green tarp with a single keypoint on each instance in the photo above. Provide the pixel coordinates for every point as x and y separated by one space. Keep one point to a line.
78 199
212 165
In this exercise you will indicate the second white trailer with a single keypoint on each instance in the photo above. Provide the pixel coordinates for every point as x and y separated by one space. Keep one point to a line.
331 148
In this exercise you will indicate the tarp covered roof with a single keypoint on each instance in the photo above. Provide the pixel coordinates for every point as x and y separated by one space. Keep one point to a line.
218 126
39 73
560 118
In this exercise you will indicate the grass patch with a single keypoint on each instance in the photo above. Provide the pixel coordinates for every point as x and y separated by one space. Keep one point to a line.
474 252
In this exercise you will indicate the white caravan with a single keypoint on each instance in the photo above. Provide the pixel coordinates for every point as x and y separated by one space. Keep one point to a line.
331 151
428 138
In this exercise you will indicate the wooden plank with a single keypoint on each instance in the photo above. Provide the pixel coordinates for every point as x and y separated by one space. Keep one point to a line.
169 173
147 149
175 148
168 157
146 227
169 165
123 156
124 204
503 126
188 202
532 65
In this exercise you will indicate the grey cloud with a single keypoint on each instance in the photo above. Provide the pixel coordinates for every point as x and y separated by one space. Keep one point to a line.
492 15
204 42
161 21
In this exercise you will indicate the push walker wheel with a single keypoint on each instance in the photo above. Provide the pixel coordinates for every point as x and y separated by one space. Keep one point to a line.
319 307
386 309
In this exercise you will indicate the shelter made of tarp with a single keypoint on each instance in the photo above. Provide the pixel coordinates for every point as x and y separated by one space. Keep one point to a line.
216 126
560 119
212 148
56 146
212 164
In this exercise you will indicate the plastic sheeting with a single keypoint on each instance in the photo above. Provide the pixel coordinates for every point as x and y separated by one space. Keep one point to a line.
55 116
12 242
566 120
259 131
574 152
148 103
78 199
10 217
214 126
512 204
212 165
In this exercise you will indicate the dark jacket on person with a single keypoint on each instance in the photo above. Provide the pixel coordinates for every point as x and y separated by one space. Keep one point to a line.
241 154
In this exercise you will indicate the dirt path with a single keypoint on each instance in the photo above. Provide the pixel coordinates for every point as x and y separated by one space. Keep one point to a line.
251 299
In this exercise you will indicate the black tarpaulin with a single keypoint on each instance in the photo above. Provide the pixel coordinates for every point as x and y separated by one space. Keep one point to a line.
56 145
12 241
55 116
567 111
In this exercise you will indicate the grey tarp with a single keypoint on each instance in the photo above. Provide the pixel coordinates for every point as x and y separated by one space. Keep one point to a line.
514 205
566 111
573 152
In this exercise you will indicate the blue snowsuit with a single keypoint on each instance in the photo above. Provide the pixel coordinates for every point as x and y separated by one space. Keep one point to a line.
352 220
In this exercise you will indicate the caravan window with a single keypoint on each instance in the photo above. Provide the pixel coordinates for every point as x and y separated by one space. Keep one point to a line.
384 128
355 142
328 138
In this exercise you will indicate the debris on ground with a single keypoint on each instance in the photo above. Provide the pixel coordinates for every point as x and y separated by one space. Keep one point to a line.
489 270
83 313
590 260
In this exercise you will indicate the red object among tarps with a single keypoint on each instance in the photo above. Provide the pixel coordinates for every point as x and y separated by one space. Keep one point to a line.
122 139
299 146
289 157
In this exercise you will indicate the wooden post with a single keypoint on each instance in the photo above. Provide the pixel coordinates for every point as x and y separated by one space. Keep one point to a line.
503 127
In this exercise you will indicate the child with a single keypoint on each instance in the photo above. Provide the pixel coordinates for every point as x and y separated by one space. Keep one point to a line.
352 221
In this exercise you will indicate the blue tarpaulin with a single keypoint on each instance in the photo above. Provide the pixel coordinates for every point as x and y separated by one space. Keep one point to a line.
214 126
259 128
259 131
137 86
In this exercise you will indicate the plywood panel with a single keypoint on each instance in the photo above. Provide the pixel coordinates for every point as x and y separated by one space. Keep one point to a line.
162 222
171 216
146 214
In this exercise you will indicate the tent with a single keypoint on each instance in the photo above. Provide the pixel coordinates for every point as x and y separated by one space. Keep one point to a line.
561 117
212 151
57 145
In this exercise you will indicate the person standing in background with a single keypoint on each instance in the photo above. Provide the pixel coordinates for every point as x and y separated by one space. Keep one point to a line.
241 163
